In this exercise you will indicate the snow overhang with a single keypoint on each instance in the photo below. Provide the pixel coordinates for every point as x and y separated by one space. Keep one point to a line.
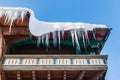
78 31
38 28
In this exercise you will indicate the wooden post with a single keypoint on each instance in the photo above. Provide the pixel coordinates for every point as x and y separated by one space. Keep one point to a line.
3 77
49 75
98 76
65 75
18 75
0 77
81 75
33 75
1 44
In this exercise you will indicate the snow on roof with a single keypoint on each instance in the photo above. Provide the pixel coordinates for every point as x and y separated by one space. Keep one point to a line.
38 28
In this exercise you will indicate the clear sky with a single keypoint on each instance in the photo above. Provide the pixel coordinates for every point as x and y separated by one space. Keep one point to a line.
90 11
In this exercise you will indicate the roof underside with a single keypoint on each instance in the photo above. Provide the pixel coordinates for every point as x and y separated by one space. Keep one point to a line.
55 75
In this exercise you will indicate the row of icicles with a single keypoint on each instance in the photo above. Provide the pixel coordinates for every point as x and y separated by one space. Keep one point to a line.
57 36
11 15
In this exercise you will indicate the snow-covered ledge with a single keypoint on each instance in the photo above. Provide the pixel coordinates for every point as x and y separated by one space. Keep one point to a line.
39 28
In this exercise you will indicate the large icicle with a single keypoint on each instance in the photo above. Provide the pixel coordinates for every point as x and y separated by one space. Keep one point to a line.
23 13
79 33
83 39
76 40
38 41
59 39
63 34
54 38
43 38
47 40
72 35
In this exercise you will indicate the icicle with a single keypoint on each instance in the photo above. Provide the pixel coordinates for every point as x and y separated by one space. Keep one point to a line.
86 32
15 15
43 39
38 41
1 13
47 40
63 34
82 32
23 13
72 35
76 40
94 35
59 39
11 15
86 35
79 33
10 28
7 15
9 19
54 38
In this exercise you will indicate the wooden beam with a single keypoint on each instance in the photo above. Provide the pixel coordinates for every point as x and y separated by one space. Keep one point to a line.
18 75
98 76
3 75
81 75
3 45
33 75
15 31
0 77
1 42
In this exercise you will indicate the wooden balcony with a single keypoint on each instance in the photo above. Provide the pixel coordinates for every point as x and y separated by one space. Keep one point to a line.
54 67
54 62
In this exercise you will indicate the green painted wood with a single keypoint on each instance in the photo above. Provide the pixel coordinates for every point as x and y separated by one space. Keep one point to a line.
104 60
88 61
3 61
68 44
37 62
77 51
30 34
21 60
54 60
71 60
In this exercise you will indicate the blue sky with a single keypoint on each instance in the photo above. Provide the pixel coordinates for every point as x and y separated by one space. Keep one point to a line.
90 11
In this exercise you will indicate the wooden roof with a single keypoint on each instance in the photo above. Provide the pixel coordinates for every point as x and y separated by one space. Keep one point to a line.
20 34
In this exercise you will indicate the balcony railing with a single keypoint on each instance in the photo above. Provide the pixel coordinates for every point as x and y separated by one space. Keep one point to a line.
54 60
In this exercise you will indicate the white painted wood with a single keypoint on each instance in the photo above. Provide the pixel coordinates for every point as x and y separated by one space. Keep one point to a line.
11 62
28 61
96 62
80 62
